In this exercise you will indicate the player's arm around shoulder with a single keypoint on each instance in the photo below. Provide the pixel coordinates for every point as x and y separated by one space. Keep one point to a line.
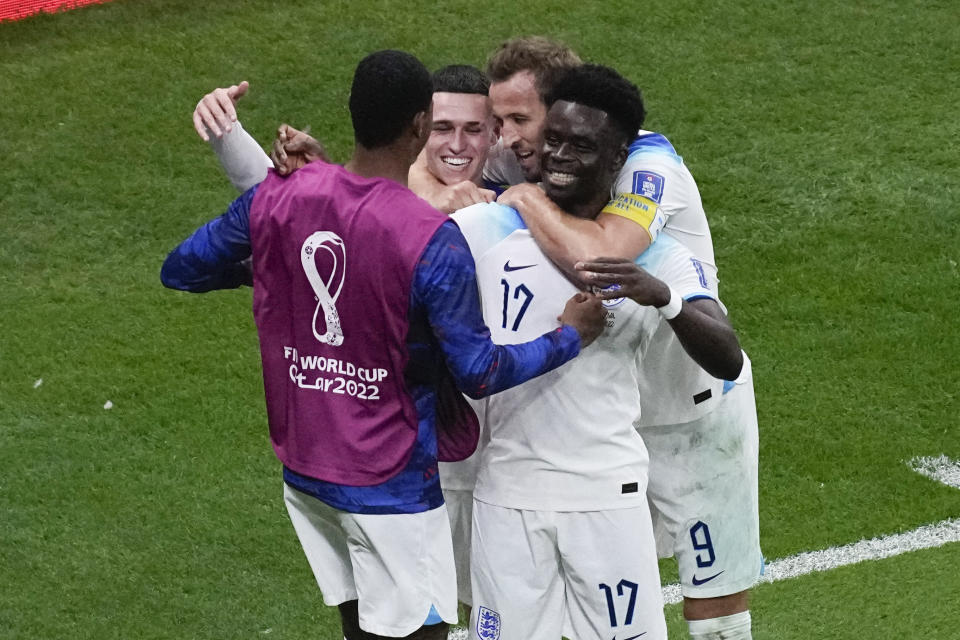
567 239
648 190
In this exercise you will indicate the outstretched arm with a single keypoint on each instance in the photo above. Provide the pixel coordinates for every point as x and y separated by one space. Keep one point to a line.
241 157
567 239
216 255
216 112
701 326
215 121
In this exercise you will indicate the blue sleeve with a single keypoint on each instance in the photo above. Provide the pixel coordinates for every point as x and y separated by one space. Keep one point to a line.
497 187
213 257
445 284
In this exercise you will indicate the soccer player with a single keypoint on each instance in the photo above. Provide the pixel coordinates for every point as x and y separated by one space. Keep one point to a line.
522 71
653 196
368 316
455 154
701 432
562 537
653 193
463 132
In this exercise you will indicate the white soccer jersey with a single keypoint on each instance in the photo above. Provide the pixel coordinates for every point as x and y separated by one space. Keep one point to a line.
565 441
673 387
655 172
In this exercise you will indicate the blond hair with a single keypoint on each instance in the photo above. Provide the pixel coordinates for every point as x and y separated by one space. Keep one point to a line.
546 59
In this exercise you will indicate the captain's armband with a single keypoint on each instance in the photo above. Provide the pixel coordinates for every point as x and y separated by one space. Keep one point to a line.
644 211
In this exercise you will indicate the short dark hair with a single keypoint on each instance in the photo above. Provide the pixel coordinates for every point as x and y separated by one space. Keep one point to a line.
544 58
389 89
602 88
461 78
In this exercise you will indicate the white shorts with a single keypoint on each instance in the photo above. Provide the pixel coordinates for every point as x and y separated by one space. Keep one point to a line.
460 511
397 566
703 495
590 574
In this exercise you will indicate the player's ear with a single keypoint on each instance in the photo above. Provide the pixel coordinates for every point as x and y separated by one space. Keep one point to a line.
494 126
621 157
422 123
493 123
420 128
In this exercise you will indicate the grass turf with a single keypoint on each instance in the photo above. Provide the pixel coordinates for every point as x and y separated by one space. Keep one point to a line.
822 138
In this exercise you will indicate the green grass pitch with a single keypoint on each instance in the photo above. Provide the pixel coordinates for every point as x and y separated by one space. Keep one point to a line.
824 139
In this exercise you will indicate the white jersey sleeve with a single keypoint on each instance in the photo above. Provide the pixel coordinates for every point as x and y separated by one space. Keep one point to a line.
655 189
484 225
675 264
242 159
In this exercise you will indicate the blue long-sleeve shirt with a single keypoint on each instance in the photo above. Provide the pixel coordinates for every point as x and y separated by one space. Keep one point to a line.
446 328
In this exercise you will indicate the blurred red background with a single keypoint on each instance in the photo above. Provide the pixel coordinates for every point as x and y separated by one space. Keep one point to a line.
17 9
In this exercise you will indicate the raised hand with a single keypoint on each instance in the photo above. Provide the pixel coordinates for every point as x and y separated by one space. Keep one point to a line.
216 112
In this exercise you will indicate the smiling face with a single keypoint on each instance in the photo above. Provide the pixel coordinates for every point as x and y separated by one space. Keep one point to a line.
520 111
463 131
580 156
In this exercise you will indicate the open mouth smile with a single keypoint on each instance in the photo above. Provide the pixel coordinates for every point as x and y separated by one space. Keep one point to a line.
560 178
524 155
455 162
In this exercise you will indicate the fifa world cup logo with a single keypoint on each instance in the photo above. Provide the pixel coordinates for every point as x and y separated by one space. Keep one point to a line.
332 244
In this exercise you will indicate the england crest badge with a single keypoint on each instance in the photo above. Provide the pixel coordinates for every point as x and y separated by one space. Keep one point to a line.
488 624
611 303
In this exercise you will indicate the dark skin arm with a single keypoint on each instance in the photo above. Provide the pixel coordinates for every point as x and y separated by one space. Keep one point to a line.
293 149
704 331
567 239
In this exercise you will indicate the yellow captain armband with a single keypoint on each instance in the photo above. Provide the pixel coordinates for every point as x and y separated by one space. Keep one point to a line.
641 210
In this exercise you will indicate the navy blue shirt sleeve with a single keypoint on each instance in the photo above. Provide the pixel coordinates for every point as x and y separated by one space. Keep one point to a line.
213 257
445 284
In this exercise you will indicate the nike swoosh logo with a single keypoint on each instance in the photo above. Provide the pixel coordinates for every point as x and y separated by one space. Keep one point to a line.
632 637
697 582
507 267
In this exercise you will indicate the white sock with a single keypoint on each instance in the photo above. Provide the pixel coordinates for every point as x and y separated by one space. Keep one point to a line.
733 627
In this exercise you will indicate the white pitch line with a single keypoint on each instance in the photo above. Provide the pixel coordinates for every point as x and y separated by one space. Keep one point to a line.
942 469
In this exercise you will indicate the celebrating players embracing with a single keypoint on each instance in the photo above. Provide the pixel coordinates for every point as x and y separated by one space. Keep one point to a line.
359 282
562 536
